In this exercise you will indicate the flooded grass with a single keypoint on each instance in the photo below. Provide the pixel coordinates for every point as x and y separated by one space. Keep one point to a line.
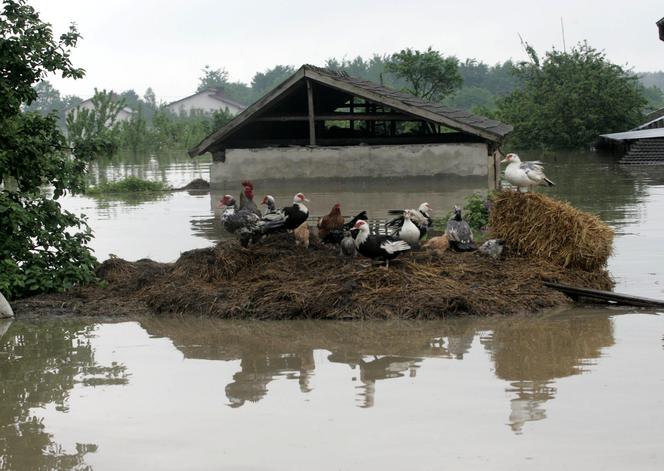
127 185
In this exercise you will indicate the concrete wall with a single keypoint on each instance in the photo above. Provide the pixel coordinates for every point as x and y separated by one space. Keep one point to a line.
354 161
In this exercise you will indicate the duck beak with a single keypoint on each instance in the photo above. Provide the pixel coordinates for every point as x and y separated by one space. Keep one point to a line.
504 161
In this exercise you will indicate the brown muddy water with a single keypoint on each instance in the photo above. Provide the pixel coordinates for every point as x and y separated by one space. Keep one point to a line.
575 388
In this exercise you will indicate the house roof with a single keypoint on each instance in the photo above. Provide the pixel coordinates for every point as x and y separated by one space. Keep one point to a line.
216 93
631 135
404 102
114 96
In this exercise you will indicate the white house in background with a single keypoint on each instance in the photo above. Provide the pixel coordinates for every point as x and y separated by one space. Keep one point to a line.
124 114
206 101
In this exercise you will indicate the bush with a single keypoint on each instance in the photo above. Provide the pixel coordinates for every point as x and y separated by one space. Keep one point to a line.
43 248
128 185
570 98
475 212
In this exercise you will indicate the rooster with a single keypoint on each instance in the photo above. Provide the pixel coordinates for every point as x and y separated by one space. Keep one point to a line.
333 221
247 198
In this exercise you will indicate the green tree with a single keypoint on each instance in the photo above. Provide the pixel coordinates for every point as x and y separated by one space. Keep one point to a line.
430 75
42 247
654 96
263 82
98 125
212 78
569 98
48 99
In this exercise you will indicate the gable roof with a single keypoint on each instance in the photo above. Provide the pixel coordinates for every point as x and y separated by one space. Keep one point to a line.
404 102
114 96
215 93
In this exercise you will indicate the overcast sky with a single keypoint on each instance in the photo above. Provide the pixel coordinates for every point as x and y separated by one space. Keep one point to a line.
164 44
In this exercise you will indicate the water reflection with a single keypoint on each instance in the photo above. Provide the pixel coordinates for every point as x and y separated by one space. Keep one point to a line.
40 364
173 167
529 354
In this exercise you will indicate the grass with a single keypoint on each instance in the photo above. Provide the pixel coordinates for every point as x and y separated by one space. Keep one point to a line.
127 185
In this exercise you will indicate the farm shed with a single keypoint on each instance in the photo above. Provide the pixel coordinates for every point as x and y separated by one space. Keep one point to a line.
325 124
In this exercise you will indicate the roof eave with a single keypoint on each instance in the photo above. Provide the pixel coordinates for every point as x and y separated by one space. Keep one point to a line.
205 145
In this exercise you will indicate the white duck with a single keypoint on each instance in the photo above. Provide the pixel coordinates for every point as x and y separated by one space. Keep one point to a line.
524 174
409 232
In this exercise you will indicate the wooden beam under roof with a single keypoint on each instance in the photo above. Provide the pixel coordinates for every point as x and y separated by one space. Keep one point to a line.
395 104
342 117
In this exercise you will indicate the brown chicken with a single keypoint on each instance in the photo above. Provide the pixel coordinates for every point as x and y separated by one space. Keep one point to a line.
440 243
331 222
302 235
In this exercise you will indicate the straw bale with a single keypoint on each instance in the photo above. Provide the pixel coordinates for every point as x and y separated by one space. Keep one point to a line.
540 227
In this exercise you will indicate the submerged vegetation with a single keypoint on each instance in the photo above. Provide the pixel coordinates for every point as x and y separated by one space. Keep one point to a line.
127 185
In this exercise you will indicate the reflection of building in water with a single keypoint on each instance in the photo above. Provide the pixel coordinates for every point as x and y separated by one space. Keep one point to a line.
376 369
257 370
530 354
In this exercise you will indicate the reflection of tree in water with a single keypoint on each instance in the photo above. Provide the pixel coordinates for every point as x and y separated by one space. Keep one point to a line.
532 353
149 166
39 365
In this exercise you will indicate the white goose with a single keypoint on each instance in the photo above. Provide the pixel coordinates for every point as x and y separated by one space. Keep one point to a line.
524 174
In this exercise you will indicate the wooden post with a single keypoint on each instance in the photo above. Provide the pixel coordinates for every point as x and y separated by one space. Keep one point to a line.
352 110
312 122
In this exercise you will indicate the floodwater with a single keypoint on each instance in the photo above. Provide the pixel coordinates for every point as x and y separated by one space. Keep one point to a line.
573 388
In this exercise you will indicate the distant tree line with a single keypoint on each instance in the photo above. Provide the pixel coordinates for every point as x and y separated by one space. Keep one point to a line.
472 85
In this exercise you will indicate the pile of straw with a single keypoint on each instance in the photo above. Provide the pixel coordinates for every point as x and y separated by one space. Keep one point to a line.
547 240
540 227
278 280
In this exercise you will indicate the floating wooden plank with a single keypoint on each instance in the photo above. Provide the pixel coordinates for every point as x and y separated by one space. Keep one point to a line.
607 296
